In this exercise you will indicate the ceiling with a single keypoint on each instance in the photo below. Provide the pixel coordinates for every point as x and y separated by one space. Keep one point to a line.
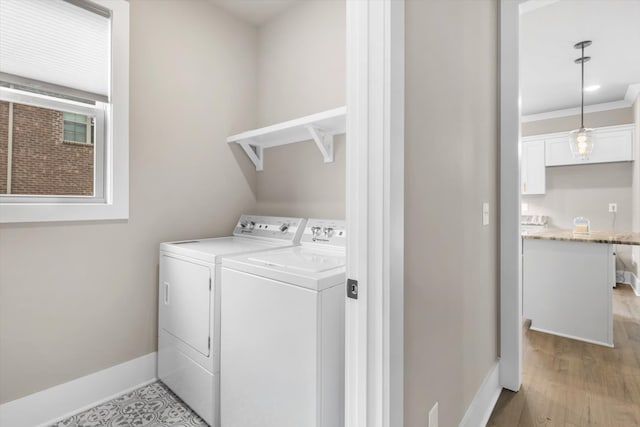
550 80
255 12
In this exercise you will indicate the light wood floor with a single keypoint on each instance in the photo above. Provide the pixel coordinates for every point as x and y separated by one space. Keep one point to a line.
571 383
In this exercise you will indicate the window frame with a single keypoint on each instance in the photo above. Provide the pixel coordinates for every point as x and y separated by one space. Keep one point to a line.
113 202
89 129
97 111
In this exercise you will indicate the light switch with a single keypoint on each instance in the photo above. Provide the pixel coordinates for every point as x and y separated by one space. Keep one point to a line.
485 213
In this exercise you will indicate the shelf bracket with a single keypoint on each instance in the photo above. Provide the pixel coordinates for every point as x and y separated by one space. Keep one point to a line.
324 141
255 153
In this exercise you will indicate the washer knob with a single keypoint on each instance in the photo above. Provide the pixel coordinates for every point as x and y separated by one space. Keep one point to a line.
315 231
252 225
328 232
284 228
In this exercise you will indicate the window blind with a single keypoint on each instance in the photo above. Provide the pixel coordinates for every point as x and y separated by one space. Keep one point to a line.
56 45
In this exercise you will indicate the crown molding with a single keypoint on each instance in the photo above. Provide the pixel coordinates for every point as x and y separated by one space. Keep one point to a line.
615 105
632 93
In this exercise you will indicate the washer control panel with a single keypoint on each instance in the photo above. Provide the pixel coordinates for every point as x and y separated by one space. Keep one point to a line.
325 232
270 227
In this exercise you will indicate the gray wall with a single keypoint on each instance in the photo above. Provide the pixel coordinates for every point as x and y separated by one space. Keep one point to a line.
621 116
451 167
302 71
79 297
586 190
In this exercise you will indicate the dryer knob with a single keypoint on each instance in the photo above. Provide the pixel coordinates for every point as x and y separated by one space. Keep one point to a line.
284 228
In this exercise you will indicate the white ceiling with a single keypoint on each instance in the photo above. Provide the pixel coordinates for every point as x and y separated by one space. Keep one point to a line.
550 80
255 12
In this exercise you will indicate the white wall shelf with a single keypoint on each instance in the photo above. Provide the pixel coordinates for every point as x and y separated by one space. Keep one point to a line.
319 127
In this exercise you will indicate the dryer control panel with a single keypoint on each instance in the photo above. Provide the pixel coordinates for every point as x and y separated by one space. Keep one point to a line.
325 232
270 227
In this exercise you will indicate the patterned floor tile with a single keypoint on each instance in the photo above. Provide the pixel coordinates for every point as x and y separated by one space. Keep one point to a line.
153 405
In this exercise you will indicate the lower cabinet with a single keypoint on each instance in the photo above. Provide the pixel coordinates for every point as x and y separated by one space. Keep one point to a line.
567 289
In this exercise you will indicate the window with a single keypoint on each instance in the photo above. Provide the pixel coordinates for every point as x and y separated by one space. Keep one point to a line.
78 128
63 110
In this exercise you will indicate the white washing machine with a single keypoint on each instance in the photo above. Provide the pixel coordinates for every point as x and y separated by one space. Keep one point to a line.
189 306
282 338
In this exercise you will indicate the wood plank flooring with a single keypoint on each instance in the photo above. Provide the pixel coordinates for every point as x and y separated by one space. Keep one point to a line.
571 383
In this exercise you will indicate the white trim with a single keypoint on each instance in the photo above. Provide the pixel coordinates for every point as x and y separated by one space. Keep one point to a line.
632 93
615 105
394 215
59 402
116 162
484 401
510 241
532 5
634 282
63 106
546 331
375 213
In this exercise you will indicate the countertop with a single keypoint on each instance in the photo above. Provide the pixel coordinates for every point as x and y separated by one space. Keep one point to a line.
610 237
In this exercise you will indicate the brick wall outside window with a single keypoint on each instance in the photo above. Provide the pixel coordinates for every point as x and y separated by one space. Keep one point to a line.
42 163
4 128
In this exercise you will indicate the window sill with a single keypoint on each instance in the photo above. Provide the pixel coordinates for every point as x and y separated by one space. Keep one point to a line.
54 212
82 144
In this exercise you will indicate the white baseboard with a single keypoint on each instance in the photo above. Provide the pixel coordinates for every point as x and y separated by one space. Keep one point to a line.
56 403
572 337
483 402
634 281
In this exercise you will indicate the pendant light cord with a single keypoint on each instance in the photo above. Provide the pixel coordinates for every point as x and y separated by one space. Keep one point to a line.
582 91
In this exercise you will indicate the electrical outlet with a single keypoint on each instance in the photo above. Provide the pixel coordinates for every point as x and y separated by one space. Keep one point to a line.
485 213
433 416
524 207
613 207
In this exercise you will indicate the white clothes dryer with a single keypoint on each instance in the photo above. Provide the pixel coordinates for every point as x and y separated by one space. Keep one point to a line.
282 338
189 306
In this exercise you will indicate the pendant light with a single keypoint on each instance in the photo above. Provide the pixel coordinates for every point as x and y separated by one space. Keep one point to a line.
581 140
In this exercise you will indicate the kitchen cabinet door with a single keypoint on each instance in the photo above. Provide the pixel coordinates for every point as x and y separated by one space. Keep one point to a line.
533 179
613 144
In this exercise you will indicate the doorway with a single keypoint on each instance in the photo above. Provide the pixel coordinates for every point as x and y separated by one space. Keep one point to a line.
512 129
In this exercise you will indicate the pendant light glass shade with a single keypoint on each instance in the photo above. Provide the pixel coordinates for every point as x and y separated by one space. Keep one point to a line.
581 143
581 140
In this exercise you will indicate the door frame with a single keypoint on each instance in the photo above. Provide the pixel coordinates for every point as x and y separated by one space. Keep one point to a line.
374 367
510 240
375 213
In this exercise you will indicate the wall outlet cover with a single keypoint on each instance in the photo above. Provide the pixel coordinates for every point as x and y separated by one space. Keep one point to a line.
613 207
433 416
485 213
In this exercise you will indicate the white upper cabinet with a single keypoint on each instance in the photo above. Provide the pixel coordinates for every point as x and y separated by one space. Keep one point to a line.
611 144
533 179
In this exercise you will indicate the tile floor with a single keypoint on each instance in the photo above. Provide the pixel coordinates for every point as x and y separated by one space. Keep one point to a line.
153 405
